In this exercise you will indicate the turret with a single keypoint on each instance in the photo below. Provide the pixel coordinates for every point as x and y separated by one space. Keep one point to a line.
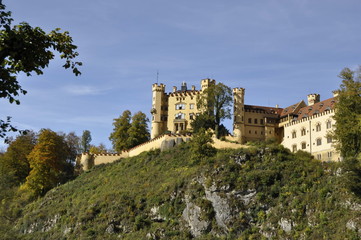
205 83
238 113
159 110
313 98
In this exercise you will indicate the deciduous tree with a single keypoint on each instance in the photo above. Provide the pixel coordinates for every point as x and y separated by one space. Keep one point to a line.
201 147
27 49
119 136
215 103
15 160
347 131
49 163
138 132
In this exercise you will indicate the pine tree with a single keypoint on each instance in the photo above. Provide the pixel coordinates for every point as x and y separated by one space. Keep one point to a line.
86 138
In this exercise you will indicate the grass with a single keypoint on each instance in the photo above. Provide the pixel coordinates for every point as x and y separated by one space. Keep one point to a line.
116 200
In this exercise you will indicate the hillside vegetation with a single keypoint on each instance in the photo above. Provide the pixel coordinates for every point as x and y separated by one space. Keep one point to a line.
260 192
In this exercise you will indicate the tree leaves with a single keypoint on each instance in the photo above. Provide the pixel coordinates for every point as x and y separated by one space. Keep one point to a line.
25 49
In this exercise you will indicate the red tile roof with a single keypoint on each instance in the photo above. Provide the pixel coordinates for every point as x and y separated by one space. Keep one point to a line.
316 108
291 110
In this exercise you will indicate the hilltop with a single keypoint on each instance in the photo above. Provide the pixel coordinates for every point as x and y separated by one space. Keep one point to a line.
263 191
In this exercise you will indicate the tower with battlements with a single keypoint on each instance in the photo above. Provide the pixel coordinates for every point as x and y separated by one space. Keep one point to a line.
238 114
159 110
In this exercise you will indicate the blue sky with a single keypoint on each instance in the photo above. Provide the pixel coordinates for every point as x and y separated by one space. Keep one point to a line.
279 50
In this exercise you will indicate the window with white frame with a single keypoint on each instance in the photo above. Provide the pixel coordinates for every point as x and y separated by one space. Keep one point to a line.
318 141
180 106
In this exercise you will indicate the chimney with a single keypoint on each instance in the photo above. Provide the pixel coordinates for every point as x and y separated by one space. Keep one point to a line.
174 88
313 98
193 88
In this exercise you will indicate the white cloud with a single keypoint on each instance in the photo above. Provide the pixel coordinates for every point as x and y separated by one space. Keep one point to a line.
81 90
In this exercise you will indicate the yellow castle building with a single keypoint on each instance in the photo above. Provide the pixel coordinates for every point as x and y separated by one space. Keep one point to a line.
300 126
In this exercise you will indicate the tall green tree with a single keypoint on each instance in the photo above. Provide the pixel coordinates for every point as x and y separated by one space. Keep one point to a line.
86 138
119 136
26 49
15 160
201 146
49 163
347 131
138 132
215 104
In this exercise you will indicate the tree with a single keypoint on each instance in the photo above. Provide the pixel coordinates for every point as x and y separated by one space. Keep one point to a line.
119 136
138 132
86 138
200 146
15 161
347 131
215 103
98 149
24 49
48 163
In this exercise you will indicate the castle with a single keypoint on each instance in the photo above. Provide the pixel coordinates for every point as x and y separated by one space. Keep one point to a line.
300 126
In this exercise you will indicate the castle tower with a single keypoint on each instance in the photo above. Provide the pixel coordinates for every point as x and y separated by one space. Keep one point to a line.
159 110
205 83
238 113
313 98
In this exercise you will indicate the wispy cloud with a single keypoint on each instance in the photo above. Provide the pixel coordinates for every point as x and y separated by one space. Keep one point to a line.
81 90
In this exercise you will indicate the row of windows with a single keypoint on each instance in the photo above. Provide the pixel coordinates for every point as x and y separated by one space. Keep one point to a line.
304 144
255 121
182 106
318 129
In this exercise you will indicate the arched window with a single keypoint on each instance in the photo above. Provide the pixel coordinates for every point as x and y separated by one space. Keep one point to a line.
328 124
303 131
294 135
318 127
318 141
294 148
303 145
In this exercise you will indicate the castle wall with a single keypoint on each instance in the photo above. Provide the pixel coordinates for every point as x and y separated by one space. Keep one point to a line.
310 134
